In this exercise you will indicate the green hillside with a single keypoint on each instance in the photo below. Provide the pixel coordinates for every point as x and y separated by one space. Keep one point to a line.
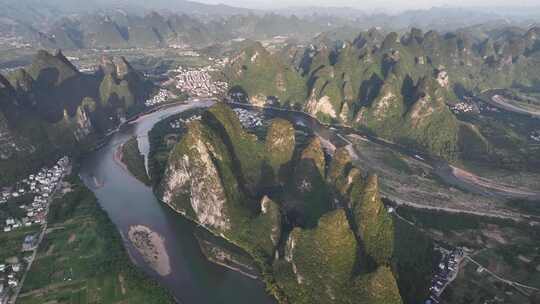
51 109
397 87
273 198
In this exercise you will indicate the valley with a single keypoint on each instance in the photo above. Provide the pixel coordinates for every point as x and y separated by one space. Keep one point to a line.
270 158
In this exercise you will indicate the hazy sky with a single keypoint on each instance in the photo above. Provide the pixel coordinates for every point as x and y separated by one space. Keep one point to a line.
374 4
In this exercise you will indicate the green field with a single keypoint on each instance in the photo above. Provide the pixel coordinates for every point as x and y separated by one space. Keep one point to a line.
508 249
82 259
12 242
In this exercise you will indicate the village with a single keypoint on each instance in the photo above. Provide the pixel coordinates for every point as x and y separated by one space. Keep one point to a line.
249 119
162 96
32 197
198 82
535 136
445 273
462 107
180 122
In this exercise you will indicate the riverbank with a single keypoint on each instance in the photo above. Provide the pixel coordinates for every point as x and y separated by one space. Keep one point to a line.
222 257
151 246
82 258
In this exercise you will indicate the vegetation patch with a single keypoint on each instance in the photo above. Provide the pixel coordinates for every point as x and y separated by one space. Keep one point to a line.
92 268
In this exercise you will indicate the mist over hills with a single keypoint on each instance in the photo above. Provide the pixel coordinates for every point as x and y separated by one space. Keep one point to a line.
74 20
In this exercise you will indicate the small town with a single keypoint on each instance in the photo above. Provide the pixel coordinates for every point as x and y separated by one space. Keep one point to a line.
178 123
445 273
198 82
535 136
32 196
162 96
462 107
249 119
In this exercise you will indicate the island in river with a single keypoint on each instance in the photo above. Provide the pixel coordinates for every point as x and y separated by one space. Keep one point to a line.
129 203
152 247
82 258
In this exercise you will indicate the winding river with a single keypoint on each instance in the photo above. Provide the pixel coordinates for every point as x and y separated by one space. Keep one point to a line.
193 279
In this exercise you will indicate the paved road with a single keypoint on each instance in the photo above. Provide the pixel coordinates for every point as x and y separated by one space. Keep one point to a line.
506 281
488 97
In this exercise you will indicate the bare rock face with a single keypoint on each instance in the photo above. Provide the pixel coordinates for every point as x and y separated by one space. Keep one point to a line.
442 78
322 105
81 123
258 100
192 176
204 180
344 115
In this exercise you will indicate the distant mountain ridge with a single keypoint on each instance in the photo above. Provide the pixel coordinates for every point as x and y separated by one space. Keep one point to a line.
140 24
29 10
118 30
38 13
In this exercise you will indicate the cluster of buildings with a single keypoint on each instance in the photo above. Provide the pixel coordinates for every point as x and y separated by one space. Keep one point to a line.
535 136
198 82
9 279
161 97
35 193
249 119
14 42
178 123
446 272
35 190
462 107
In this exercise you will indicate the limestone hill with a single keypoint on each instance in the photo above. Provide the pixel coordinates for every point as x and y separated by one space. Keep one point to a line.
286 205
50 108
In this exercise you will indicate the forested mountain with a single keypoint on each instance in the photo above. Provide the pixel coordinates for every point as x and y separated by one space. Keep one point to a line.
396 86
119 29
137 24
50 108
279 199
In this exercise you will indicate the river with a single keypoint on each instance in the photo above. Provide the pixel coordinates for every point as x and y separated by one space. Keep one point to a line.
193 280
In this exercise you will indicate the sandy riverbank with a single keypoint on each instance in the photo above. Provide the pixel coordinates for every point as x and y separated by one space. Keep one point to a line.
151 246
